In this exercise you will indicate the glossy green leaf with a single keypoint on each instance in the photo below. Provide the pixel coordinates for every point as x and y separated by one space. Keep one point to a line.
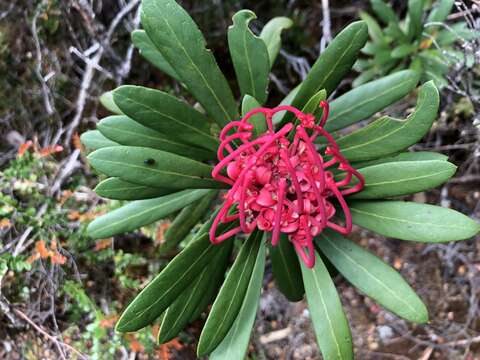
287 100
403 178
212 288
229 300
93 139
372 48
178 314
374 29
367 99
271 35
107 101
152 167
249 56
181 43
384 12
372 276
140 213
329 320
312 105
258 121
286 269
440 11
364 77
415 12
166 114
411 221
115 188
235 344
126 131
387 135
186 220
406 156
148 50
165 288
332 65
401 51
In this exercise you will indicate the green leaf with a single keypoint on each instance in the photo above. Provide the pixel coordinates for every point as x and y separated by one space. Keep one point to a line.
332 65
258 121
148 50
115 188
140 213
312 105
387 135
403 178
179 313
212 288
329 320
181 43
107 101
229 300
271 35
440 12
373 277
186 220
384 12
165 288
406 156
364 77
434 60
374 30
235 344
277 117
250 57
403 51
152 167
367 99
166 114
415 12
126 131
459 31
286 269
411 221
394 31
93 139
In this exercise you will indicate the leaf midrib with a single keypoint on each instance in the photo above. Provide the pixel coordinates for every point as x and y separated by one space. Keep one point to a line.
153 170
246 265
236 324
148 137
184 309
361 103
327 315
250 73
403 125
404 221
183 274
148 210
158 112
369 274
217 100
406 179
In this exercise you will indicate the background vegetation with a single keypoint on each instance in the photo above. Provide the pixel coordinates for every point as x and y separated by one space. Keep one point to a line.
61 292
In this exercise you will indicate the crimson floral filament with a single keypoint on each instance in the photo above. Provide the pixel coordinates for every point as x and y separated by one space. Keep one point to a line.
279 181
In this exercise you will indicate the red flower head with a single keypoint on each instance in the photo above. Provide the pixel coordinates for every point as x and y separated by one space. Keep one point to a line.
280 183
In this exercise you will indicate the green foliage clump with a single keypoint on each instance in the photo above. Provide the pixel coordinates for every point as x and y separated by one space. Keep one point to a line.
424 41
